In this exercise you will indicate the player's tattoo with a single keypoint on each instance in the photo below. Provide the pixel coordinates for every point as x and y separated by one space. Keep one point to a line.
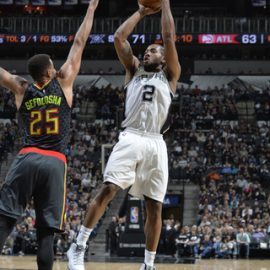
127 51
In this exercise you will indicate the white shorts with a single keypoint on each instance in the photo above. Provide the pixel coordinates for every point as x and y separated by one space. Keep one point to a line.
139 160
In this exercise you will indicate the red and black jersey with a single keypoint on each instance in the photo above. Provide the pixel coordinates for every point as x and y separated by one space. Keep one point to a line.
44 117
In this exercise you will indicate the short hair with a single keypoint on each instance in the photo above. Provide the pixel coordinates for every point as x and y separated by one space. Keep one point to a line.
161 49
38 65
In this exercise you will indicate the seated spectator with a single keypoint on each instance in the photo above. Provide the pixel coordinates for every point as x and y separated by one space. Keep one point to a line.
206 247
258 235
224 251
243 241
194 242
232 246
217 243
182 243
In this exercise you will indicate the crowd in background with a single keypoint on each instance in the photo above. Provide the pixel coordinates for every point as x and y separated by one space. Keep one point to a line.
231 163
229 160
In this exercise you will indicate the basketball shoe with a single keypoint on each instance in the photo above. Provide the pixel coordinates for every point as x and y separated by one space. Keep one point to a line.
75 256
147 267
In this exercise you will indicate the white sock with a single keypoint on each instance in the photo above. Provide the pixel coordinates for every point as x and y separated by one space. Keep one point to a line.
149 257
83 235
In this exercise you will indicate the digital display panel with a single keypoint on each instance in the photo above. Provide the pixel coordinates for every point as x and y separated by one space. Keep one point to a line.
141 39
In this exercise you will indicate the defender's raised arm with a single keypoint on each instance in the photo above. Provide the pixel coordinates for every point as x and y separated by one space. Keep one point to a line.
71 67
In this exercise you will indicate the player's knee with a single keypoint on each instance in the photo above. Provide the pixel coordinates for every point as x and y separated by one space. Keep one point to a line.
109 191
154 210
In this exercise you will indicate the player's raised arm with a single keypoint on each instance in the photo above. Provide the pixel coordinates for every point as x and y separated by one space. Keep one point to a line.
173 67
15 84
71 67
122 46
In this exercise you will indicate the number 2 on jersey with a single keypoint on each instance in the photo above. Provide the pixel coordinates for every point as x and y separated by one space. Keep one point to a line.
51 125
148 92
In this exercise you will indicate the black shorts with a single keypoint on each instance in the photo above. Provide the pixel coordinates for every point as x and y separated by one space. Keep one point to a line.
40 174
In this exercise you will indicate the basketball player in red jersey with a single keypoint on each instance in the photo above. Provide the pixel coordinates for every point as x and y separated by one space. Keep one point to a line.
39 170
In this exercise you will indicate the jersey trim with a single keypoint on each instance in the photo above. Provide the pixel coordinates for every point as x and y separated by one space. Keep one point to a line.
41 87
44 153
63 216
173 93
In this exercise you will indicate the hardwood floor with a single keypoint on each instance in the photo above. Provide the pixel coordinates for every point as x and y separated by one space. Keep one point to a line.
29 263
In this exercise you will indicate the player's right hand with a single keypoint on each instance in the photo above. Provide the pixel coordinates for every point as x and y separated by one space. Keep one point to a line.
147 11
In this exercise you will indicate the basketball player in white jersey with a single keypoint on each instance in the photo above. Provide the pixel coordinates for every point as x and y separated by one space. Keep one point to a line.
139 160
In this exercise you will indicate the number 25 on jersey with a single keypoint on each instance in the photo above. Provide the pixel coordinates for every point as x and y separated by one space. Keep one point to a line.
44 122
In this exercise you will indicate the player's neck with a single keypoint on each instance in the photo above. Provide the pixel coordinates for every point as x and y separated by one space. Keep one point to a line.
153 69
41 84
156 70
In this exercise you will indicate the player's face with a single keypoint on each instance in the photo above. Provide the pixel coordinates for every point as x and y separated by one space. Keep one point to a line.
153 57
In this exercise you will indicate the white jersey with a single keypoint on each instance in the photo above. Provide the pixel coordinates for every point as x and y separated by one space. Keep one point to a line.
148 99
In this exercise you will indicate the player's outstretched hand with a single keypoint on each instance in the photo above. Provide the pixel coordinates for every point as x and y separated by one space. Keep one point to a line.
147 11
94 3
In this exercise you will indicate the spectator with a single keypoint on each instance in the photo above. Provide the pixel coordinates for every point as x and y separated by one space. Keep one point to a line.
243 241
206 247
194 242
113 235
182 243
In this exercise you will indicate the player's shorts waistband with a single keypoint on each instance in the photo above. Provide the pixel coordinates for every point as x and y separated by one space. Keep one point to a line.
144 133
44 152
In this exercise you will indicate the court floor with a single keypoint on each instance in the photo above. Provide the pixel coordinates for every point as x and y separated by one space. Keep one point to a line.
9 262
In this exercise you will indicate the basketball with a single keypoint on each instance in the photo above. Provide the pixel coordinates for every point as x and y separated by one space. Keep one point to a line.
154 4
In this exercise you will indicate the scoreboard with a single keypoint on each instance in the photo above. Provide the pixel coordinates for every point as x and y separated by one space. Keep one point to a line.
140 39
233 39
